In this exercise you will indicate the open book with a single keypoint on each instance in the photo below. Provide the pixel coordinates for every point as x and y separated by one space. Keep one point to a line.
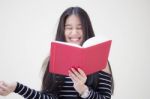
91 57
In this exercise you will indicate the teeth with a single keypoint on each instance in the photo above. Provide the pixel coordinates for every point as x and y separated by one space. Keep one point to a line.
74 39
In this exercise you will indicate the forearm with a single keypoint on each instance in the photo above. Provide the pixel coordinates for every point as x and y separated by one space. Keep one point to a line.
31 93
104 88
96 95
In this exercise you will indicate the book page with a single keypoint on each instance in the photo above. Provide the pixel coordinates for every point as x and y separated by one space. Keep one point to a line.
69 44
94 40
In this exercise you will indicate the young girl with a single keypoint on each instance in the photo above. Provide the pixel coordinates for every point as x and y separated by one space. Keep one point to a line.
74 27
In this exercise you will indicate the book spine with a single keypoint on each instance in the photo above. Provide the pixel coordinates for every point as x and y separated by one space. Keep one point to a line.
52 59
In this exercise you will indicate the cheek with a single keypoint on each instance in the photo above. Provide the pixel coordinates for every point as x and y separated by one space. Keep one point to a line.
82 34
66 36
66 32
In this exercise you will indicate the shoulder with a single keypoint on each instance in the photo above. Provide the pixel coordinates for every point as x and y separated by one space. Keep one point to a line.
107 69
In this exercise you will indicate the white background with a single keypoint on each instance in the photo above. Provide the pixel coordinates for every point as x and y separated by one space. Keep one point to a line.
28 26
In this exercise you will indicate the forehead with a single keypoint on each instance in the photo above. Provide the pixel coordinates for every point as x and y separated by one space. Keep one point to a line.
73 19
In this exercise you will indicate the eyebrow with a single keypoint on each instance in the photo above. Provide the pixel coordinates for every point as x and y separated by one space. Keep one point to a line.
67 25
70 25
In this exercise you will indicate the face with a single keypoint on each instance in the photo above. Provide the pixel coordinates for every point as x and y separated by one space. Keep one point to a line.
73 30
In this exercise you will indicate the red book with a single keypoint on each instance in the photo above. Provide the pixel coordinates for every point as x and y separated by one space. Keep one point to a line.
91 57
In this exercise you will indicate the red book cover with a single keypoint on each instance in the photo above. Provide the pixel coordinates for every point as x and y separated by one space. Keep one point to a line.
90 57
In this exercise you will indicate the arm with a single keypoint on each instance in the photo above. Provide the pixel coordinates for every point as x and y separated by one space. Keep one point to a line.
7 88
24 91
104 86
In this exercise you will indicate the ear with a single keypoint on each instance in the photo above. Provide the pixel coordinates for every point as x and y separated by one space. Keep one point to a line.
107 69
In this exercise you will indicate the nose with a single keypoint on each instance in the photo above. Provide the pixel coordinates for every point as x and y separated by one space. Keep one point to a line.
74 31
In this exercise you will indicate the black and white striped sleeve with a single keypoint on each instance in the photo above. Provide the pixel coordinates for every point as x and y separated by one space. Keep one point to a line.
104 87
29 93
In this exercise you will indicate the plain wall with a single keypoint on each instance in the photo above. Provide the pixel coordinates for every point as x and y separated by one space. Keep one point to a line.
28 26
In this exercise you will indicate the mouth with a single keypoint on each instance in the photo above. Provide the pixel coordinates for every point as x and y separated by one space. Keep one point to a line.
75 39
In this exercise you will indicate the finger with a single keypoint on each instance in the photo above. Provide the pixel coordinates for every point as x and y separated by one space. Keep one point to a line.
82 73
5 84
74 71
80 77
72 80
71 75
1 82
2 92
2 87
77 74
74 76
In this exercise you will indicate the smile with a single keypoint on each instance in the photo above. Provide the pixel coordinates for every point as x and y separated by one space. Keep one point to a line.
74 39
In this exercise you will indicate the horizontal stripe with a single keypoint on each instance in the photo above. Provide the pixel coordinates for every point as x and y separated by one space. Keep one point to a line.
68 91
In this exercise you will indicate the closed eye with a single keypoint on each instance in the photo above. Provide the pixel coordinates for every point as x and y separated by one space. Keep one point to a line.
68 28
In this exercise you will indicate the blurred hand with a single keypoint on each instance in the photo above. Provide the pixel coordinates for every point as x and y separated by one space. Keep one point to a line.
7 88
79 78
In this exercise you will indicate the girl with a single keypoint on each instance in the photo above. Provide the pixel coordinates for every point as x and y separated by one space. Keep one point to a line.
74 27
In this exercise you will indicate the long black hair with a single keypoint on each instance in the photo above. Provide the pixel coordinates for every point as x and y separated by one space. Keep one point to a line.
51 81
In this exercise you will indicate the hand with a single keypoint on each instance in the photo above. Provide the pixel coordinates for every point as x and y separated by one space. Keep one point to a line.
79 78
7 88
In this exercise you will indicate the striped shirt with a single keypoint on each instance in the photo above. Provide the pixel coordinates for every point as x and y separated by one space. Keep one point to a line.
68 92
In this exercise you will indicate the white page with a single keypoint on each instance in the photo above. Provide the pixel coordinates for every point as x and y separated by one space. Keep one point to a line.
69 44
94 40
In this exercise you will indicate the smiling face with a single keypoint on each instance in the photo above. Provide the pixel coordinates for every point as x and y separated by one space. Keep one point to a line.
73 30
